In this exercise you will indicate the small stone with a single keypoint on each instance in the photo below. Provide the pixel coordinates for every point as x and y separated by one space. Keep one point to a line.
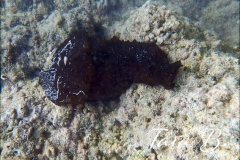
151 36
160 40
146 28
51 152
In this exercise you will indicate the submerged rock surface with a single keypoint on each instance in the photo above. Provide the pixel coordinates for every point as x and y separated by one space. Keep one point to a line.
197 120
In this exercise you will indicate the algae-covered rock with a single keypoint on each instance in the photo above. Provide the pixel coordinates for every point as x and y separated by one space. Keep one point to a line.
198 119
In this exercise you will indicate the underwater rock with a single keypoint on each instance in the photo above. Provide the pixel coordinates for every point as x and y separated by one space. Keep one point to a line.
89 68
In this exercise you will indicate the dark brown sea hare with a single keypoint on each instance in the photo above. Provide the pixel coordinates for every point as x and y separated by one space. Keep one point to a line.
89 68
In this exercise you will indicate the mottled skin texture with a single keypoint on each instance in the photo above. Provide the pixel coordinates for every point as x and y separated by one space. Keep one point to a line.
89 68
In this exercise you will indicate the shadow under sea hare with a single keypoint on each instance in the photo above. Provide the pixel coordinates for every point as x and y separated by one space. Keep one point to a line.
89 68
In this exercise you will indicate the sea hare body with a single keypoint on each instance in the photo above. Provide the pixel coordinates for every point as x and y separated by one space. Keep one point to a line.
89 68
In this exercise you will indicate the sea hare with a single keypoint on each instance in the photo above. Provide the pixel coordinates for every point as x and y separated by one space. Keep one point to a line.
88 68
